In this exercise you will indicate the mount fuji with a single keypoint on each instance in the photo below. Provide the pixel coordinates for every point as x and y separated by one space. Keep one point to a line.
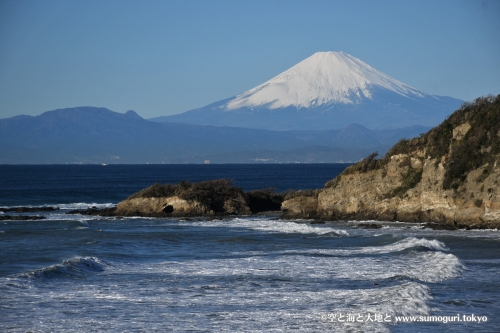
328 90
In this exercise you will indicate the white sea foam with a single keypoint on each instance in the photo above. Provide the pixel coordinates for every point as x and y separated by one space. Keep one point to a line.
254 293
424 266
280 289
61 216
75 205
407 243
74 267
84 205
291 227
276 226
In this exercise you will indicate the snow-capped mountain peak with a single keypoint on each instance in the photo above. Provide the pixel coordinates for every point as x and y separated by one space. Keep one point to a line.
328 90
323 78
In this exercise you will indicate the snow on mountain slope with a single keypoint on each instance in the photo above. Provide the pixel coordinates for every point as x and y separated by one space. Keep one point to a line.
328 90
323 78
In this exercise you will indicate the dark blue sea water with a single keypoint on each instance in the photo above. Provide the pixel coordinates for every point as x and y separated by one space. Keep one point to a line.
73 273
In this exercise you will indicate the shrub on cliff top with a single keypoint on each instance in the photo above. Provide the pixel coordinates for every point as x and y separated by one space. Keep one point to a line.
211 193
479 146
410 179
157 191
365 165
305 193
214 193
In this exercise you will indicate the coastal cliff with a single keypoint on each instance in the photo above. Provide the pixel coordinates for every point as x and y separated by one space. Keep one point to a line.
449 176
209 198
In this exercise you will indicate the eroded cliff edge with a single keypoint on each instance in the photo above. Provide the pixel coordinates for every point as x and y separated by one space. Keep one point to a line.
449 175
208 198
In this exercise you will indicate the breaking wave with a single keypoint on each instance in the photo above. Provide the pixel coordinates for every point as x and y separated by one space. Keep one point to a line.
75 267
84 205
277 226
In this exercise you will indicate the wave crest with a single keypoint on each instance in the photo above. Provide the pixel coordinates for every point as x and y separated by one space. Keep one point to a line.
75 267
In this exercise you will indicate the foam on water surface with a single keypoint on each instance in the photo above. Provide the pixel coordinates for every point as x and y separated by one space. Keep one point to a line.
250 293
227 279
274 226
84 205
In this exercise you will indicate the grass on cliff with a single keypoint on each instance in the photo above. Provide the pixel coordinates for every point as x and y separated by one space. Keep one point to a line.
410 179
479 147
301 193
211 193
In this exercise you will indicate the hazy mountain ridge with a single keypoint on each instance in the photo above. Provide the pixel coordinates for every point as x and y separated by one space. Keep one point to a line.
325 91
98 135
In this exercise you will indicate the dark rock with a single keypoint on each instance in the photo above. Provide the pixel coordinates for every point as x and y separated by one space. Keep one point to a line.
28 209
264 200
168 209
21 217
94 211
369 225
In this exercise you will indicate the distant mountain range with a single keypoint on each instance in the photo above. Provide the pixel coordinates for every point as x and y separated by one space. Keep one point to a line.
331 107
328 90
98 135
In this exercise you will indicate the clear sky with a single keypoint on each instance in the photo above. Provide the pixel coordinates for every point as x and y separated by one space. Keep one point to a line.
166 57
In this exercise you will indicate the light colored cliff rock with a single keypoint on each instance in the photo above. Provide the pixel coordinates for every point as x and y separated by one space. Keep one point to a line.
174 206
177 207
208 198
368 196
304 206
410 186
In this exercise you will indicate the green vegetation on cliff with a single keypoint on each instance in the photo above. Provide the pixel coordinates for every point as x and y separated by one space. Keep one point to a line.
214 193
477 146
211 193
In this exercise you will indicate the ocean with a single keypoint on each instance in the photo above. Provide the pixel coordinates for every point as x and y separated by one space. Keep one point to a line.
74 273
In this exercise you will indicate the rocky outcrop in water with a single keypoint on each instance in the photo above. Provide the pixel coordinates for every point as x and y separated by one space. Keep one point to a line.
177 207
20 217
214 198
22 209
449 175
209 198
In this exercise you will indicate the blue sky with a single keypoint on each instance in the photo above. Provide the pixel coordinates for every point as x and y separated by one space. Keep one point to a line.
167 57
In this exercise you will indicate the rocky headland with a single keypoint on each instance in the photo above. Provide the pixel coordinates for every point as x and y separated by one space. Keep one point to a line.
448 176
212 198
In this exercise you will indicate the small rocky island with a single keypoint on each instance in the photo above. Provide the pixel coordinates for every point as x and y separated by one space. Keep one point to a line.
449 177
209 198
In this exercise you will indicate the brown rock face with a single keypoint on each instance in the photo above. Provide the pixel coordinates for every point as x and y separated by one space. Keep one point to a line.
413 183
177 207
169 206
301 206
217 197
369 196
